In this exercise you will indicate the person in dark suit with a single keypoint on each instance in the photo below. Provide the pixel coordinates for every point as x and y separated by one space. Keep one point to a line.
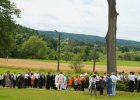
48 81
53 81
40 81
20 81
138 81
101 85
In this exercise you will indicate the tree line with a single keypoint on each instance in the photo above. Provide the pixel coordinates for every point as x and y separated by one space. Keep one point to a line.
21 42
28 43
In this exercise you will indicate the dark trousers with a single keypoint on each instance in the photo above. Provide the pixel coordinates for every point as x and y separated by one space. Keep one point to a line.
79 86
1 82
82 86
36 83
131 86
75 87
101 90
138 86
48 85
25 83
14 83
20 84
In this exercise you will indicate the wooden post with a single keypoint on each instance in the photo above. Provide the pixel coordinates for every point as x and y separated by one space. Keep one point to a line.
58 48
94 58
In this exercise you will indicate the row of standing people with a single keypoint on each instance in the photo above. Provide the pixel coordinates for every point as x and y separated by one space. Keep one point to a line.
62 82
39 80
111 82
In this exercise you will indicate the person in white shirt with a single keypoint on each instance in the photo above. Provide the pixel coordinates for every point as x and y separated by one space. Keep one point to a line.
56 81
32 80
1 80
60 81
119 76
92 85
138 80
105 76
131 78
64 83
36 75
15 79
114 81
26 76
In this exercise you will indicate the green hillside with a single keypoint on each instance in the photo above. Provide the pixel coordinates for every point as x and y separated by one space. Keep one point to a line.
91 38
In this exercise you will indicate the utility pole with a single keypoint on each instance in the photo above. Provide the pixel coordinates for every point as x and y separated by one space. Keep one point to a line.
94 58
58 50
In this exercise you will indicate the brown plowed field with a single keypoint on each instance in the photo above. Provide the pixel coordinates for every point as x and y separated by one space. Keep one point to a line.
22 63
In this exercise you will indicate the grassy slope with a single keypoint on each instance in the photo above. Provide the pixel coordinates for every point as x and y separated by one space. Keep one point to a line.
29 94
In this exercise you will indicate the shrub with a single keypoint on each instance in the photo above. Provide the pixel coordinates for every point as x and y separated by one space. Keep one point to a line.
122 86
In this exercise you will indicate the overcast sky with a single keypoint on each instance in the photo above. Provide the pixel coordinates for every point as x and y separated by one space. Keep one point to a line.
80 16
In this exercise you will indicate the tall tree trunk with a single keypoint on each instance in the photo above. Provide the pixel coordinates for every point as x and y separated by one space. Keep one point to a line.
111 37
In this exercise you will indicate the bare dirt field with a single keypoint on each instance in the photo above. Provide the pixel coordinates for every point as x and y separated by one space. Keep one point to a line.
22 63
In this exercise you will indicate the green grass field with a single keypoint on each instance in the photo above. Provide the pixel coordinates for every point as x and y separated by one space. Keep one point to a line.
3 70
119 62
35 94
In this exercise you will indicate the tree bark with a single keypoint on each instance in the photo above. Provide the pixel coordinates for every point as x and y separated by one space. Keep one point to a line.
111 37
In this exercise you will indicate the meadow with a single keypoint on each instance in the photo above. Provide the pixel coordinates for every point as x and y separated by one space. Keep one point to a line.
22 65
119 62
37 94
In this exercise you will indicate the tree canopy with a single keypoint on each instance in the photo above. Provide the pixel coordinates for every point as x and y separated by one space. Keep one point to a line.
7 24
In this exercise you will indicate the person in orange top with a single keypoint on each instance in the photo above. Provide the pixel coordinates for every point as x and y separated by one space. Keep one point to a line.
70 83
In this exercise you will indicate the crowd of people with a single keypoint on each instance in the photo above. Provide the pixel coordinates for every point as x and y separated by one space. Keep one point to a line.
60 81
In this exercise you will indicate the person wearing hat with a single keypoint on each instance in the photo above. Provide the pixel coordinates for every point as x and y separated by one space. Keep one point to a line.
114 81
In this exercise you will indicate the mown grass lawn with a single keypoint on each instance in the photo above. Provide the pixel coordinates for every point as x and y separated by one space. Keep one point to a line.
36 94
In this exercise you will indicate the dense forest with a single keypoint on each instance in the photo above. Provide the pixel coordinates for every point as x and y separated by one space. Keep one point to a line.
30 43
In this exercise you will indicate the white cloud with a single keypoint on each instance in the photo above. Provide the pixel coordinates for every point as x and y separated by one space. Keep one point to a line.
80 16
